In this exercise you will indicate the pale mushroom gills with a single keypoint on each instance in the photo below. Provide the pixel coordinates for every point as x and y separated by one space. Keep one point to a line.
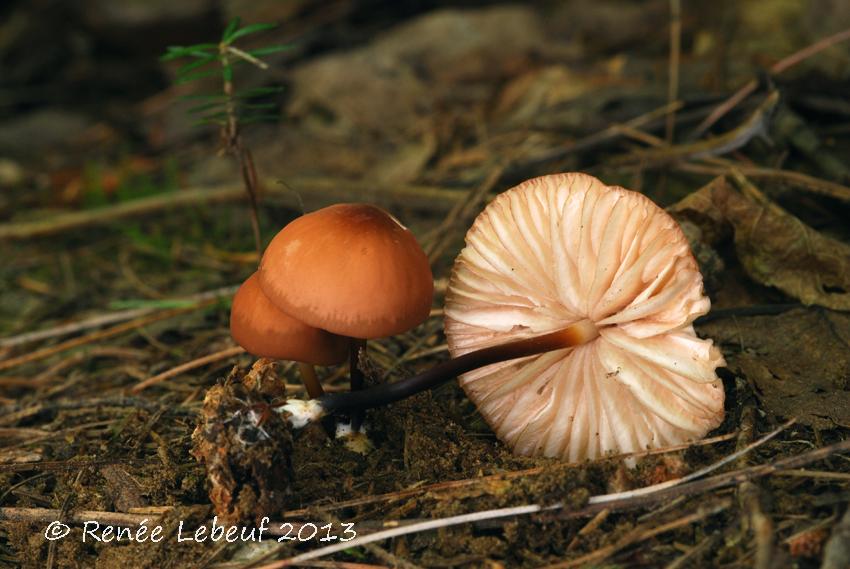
566 248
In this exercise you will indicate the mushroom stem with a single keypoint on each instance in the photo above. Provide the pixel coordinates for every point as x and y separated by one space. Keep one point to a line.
355 346
574 335
310 381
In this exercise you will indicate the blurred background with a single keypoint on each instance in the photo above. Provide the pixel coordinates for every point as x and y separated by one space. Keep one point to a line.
125 226
391 94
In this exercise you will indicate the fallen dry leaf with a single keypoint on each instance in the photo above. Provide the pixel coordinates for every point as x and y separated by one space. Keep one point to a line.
798 362
775 248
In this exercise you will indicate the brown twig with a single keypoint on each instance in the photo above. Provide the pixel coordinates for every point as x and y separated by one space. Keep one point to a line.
815 474
749 494
188 366
413 351
59 434
34 382
641 533
318 564
673 66
133 278
438 239
775 69
99 335
315 190
593 140
718 481
754 125
817 186
62 465
43 515
14 413
106 319
588 528
21 433
687 559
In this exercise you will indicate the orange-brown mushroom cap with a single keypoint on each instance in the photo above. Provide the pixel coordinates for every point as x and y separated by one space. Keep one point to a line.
352 269
566 248
264 330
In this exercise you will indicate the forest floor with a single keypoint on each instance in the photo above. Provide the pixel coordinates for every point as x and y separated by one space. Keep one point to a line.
124 235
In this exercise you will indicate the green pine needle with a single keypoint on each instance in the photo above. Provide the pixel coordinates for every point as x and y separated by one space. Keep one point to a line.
247 30
203 56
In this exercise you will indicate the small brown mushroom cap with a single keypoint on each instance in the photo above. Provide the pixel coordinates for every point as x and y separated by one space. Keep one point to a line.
264 330
559 249
352 269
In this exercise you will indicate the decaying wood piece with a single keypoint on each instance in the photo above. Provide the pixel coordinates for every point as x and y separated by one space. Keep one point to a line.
245 447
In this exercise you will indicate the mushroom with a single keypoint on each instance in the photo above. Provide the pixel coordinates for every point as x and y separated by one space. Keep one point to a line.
562 249
264 330
351 269
569 318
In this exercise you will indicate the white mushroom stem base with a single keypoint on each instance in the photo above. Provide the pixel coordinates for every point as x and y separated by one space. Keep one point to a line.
303 412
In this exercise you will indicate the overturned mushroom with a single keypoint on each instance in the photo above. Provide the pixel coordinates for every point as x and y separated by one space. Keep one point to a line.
568 316
566 248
